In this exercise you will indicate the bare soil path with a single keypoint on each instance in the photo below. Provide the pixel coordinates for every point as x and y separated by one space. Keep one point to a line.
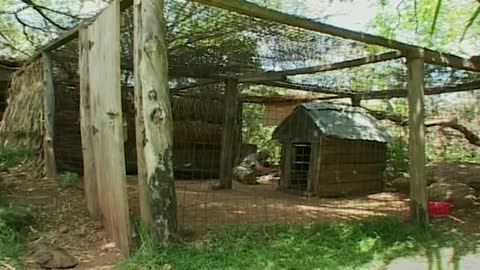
62 220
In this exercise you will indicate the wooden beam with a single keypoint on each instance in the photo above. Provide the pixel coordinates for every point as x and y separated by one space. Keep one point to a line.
89 176
278 75
309 88
143 189
227 155
72 34
157 115
399 93
49 117
254 10
416 108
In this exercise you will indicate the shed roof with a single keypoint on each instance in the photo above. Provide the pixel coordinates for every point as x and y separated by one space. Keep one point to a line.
333 120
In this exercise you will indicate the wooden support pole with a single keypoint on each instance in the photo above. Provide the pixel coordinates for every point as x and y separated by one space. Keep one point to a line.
144 194
227 155
49 116
238 134
356 101
89 175
418 184
152 76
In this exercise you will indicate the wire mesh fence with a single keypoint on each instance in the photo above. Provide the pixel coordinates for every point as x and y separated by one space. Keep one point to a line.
326 161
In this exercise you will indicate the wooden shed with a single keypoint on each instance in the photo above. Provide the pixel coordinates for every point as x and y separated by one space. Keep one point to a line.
331 150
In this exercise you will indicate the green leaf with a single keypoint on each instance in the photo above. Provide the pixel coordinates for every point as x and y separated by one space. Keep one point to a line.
471 21
435 17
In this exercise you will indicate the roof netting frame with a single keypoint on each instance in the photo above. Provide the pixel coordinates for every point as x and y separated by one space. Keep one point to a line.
208 45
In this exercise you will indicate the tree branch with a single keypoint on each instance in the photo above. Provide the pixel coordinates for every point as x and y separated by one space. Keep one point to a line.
471 137
40 11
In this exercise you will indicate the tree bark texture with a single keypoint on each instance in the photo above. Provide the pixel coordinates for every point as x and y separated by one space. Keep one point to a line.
157 116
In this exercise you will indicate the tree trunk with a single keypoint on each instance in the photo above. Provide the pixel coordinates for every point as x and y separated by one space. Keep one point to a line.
157 114
144 196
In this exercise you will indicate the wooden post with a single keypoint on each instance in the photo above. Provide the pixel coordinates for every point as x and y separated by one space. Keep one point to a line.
152 76
418 185
356 101
144 194
49 116
107 124
89 176
238 135
227 155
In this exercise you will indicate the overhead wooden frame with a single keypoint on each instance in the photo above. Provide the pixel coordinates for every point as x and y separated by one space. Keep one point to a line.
276 75
429 56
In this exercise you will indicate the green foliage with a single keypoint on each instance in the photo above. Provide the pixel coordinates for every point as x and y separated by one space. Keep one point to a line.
15 218
12 156
471 21
345 245
11 246
431 23
397 158
68 179
254 132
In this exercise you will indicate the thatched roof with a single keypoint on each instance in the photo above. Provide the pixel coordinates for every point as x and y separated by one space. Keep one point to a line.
310 121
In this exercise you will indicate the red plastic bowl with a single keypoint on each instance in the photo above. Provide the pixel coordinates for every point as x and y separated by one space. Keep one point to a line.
439 208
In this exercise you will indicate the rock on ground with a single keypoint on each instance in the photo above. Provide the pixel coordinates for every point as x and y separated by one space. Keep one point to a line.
52 257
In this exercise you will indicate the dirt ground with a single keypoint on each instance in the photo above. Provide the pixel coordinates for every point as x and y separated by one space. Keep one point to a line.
62 219
201 209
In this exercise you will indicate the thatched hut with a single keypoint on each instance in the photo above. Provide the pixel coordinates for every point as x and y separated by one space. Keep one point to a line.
332 150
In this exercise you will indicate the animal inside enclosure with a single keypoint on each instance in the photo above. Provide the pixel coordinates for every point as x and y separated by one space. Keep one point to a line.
332 150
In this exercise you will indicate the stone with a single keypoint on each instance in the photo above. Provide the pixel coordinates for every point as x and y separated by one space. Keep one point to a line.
51 257
459 194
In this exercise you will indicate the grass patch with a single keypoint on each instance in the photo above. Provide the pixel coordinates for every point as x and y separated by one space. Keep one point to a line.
68 180
12 156
347 245
12 246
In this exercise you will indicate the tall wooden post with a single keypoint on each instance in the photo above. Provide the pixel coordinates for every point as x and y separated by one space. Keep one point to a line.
227 155
418 184
49 115
152 69
144 196
238 135
89 176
